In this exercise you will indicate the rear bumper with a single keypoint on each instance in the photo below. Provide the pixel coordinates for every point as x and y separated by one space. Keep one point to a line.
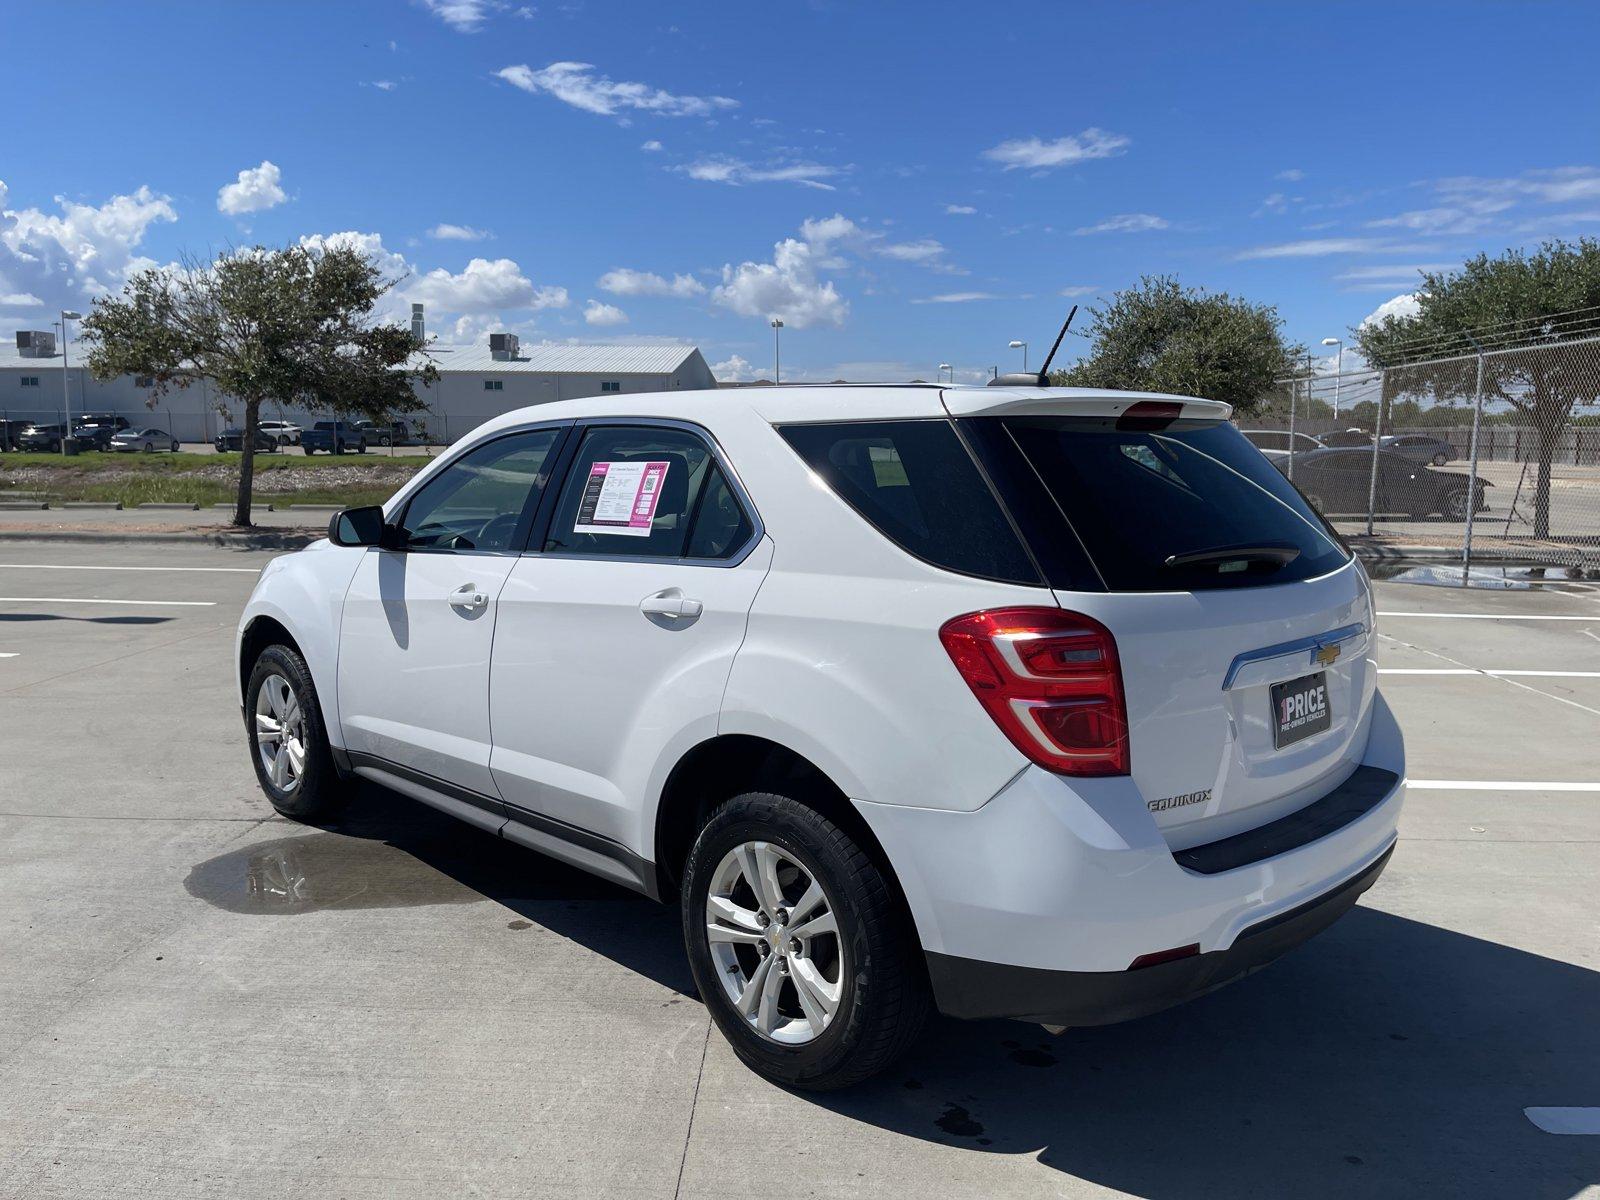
976 990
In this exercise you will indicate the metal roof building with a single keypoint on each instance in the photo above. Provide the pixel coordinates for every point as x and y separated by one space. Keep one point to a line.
475 383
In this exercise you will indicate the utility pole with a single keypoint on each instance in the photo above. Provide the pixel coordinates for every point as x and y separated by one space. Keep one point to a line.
66 394
777 369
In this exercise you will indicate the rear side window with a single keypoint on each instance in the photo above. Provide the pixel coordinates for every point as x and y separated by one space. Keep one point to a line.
916 484
1136 498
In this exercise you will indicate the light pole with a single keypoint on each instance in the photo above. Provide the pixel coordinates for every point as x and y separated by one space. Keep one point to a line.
66 396
1023 346
1338 372
947 367
777 369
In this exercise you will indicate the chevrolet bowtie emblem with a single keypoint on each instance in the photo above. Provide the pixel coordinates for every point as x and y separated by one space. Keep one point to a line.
1325 655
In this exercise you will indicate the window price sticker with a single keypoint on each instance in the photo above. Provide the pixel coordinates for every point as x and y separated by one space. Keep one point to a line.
621 498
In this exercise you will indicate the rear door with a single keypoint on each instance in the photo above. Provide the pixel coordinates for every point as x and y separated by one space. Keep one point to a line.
419 620
617 633
1228 599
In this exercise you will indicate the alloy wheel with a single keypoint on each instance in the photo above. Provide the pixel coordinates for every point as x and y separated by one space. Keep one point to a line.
774 939
280 733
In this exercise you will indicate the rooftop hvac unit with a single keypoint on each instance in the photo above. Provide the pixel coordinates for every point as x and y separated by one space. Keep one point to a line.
504 346
36 343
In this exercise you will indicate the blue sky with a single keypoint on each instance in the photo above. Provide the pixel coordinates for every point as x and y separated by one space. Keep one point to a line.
905 184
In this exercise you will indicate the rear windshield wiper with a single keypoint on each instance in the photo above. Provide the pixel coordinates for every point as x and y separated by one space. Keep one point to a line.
1275 554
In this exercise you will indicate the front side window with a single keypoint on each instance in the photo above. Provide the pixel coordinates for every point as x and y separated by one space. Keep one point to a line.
479 501
636 491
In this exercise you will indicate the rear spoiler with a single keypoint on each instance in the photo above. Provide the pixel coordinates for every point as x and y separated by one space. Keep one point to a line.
1076 402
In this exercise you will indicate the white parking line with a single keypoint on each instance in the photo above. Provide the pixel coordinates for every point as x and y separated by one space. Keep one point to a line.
1494 616
1565 1120
10 654
1491 673
1497 785
81 600
92 567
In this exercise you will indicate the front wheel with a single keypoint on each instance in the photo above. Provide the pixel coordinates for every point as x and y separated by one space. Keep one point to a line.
1440 459
799 946
174 447
149 447
288 741
1454 504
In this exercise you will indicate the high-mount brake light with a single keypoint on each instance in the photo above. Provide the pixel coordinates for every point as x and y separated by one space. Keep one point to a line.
1051 681
1150 414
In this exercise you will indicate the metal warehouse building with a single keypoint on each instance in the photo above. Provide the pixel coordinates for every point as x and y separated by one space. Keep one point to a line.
475 383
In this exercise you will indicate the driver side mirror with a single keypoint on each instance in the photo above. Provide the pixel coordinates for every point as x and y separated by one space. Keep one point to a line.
360 527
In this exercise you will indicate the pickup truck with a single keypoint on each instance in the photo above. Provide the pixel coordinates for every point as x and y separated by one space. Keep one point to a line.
333 437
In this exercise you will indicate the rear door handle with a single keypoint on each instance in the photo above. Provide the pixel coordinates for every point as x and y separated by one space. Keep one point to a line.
468 596
672 604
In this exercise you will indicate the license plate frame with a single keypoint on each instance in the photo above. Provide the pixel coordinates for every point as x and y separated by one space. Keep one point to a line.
1295 713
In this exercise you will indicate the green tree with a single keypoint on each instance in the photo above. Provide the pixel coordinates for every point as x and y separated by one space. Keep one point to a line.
1161 337
1514 300
294 326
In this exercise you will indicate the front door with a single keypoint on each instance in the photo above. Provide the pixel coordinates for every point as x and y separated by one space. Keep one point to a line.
615 640
413 679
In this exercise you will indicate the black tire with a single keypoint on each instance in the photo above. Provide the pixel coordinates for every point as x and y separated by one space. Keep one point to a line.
361 446
174 447
1440 459
319 793
1453 504
884 998
149 447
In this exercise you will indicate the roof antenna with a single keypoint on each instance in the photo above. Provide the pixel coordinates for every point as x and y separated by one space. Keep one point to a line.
1029 378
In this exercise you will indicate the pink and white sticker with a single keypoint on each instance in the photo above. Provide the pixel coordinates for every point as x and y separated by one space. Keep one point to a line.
621 498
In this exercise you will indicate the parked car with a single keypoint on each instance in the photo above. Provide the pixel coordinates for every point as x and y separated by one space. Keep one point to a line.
145 440
233 439
92 437
1339 481
285 433
393 433
333 437
1273 442
1345 437
35 436
1039 703
116 422
1420 447
10 432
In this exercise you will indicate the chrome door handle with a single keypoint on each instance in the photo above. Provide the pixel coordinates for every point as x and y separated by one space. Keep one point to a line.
671 604
468 596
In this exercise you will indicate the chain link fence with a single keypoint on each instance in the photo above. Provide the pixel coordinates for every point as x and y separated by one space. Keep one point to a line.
1494 456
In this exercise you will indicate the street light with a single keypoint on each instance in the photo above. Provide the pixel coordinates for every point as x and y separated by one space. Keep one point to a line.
66 396
777 370
952 370
1023 346
1338 371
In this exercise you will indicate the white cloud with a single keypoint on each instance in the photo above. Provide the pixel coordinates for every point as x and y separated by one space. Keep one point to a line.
785 288
446 232
1560 185
960 210
1386 278
1079 289
1037 154
575 83
733 369
598 313
256 189
464 16
957 298
20 300
1321 247
87 250
1402 306
1277 204
1126 223
651 147
1435 221
627 282
735 171
823 234
924 250
484 286
1292 175
391 263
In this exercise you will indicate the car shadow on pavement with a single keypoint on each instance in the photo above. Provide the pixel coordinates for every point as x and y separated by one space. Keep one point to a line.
1388 1057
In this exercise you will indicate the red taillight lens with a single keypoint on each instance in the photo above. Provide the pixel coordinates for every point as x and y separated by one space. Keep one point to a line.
1051 681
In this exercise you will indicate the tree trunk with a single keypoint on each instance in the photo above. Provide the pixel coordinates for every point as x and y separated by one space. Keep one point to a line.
247 463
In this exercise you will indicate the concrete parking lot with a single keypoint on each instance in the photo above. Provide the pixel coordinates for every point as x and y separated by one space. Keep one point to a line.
198 998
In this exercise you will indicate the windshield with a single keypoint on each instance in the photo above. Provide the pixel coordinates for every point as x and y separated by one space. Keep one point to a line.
1184 507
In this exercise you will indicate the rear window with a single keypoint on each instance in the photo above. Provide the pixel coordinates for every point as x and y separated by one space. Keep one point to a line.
1145 504
916 484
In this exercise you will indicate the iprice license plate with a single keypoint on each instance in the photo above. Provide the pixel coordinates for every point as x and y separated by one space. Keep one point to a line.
1299 709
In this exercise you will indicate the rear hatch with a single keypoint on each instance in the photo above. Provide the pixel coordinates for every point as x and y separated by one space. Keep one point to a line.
1241 620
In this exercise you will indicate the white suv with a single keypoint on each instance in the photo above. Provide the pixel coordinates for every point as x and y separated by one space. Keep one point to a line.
1011 701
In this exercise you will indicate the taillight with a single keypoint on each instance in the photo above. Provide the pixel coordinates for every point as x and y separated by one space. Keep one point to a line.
1051 681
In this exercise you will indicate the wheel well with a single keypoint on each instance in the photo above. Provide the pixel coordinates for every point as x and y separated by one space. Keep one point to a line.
724 767
258 635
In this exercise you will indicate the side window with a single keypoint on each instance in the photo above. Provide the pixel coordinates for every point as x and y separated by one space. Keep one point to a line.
477 502
634 491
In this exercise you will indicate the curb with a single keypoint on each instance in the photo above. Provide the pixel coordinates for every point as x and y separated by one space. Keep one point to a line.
260 539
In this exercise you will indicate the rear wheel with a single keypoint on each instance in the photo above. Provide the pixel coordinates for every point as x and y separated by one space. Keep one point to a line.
149 447
801 951
289 743
1440 459
1454 504
174 447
